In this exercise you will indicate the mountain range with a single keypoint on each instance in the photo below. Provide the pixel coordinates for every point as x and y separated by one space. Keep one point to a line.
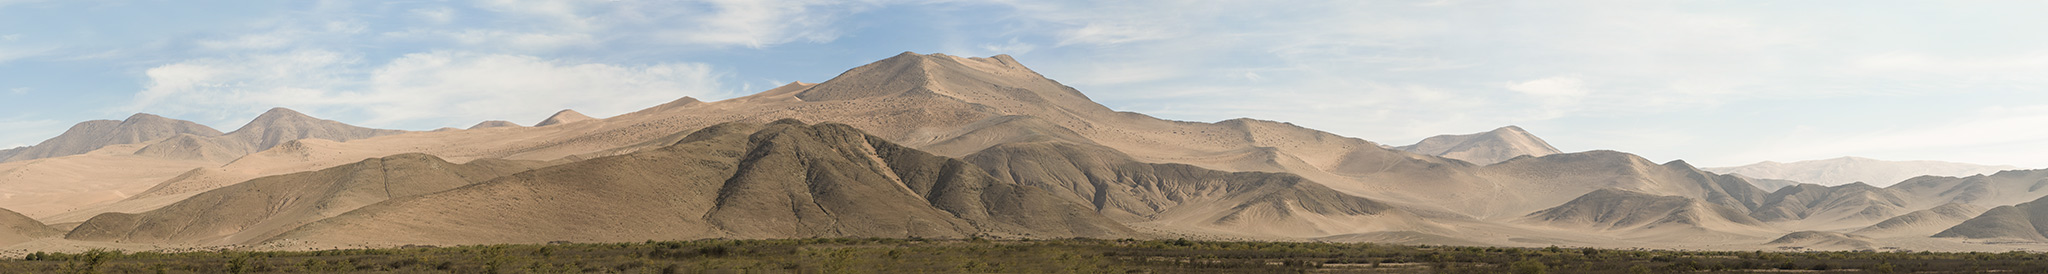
936 146
1846 170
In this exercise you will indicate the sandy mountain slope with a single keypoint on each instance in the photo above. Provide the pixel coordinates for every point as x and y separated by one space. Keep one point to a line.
1846 170
2002 188
494 123
2026 222
563 117
1816 207
1822 240
92 135
1629 212
1484 148
264 207
1189 198
784 180
15 228
1924 222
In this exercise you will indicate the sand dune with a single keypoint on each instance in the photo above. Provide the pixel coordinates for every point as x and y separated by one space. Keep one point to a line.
1484 148
784 180
1846 170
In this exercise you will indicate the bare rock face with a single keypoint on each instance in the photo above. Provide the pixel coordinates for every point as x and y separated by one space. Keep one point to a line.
563 117
91 135
1484 148
735 180
15 228
267 206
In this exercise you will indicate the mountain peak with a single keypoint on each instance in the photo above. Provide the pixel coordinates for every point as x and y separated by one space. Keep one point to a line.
563 117
279 125
1484 148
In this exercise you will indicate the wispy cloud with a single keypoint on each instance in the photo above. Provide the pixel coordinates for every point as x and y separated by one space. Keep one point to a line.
417 91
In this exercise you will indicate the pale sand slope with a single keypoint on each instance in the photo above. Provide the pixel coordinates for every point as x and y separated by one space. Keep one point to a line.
1923 223
784 180
2002 188
45 187
15 228
1846 170
264 207
1484 148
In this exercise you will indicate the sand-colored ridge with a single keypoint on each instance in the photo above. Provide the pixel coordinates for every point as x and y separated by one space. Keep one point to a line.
1630 211
563 117
1924 222
2026 222
1823 240
1818 207
1484 148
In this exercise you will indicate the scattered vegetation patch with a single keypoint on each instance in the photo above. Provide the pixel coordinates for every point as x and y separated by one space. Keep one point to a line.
878 255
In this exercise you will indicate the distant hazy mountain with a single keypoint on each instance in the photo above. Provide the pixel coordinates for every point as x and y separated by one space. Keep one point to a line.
1846 170
90 135
1484 148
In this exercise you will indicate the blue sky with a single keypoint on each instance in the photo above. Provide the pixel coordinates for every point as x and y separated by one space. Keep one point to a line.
1713 82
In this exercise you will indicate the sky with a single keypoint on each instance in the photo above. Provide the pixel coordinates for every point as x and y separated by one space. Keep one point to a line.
1716 83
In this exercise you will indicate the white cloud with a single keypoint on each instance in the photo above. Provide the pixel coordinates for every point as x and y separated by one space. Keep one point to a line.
423 90
1553 87
502 39
436 15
